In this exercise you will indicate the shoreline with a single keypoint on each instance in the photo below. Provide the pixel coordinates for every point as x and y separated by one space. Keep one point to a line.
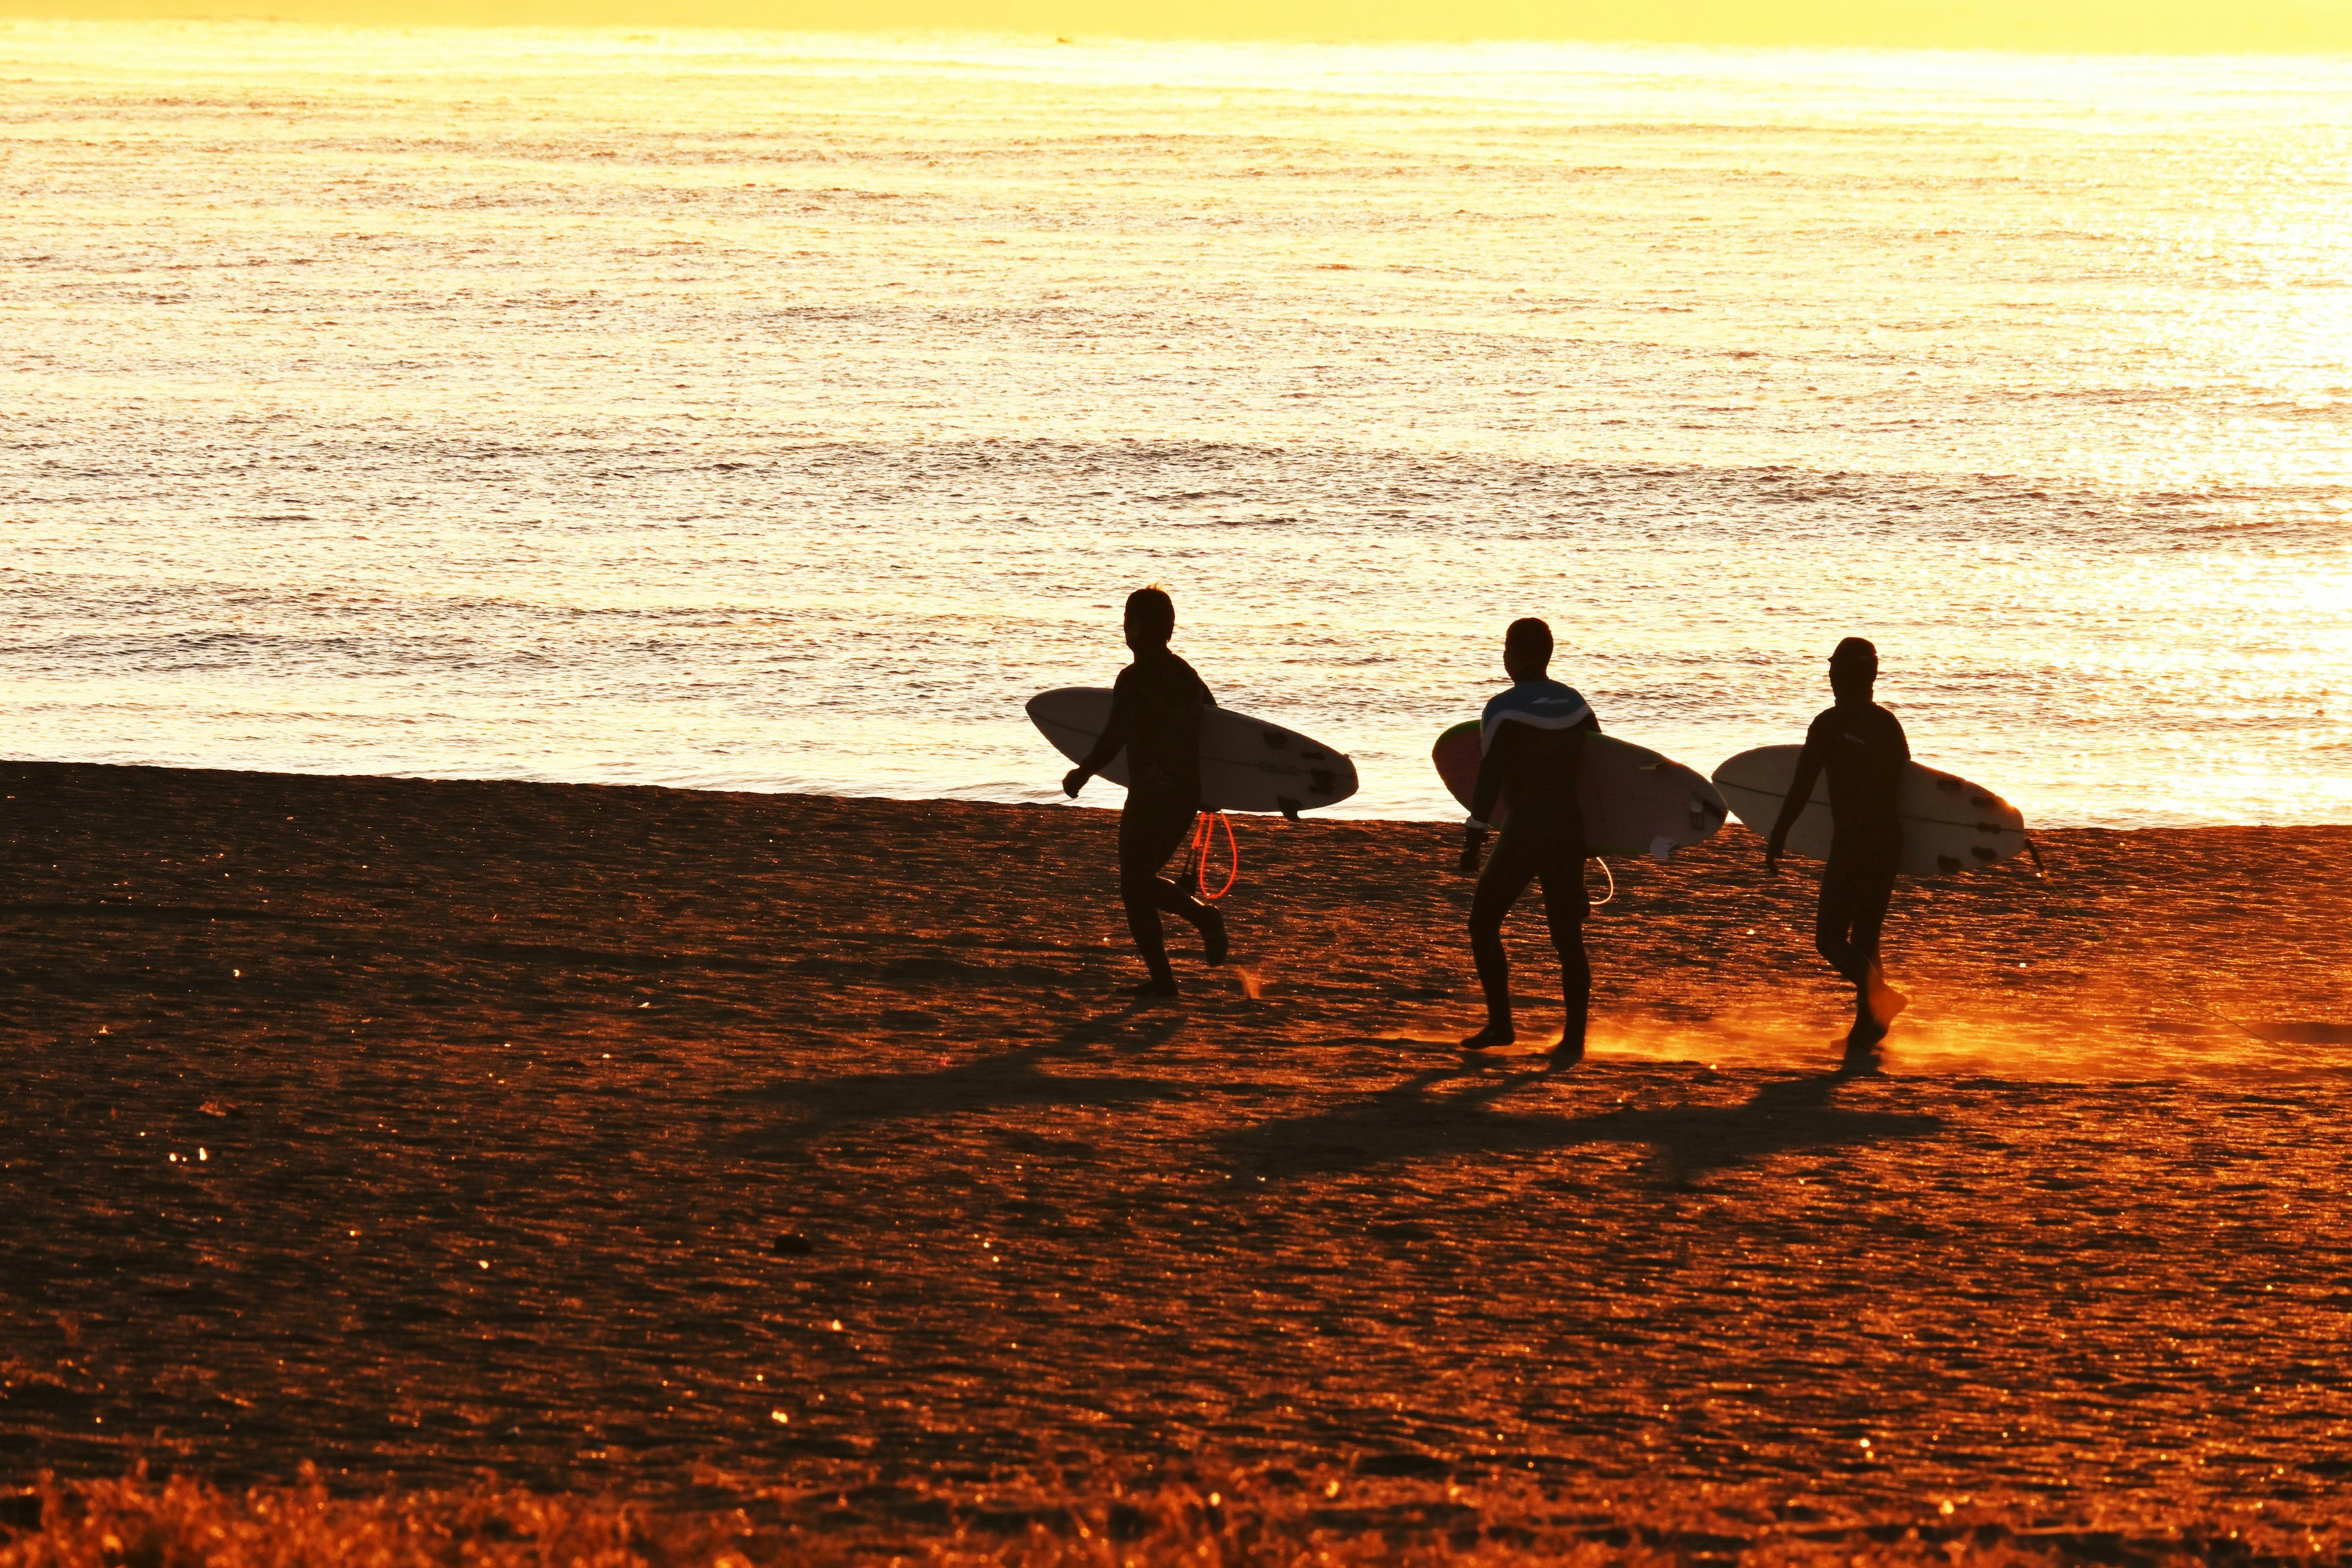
1100 796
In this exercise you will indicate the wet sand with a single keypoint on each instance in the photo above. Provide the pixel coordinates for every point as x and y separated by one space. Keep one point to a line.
808 1155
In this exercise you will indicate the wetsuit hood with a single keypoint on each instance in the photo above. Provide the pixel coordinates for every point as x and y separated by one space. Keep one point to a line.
1541 704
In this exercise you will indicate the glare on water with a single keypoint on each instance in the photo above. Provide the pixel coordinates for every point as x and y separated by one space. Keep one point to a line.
781 412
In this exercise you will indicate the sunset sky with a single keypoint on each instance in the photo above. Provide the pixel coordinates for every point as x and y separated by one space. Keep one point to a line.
2100 25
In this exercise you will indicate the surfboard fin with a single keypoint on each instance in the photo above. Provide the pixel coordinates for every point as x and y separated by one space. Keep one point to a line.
1290 808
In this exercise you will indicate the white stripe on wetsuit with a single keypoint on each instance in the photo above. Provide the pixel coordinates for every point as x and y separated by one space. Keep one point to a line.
1539 704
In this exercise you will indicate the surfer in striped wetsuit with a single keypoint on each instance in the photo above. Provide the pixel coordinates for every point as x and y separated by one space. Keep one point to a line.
1155 708
1863 749
1531 747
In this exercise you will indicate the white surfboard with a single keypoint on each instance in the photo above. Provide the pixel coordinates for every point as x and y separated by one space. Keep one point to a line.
1247 765
1948 824
1636 801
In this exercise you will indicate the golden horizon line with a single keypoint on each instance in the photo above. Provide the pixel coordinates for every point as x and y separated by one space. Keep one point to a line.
2305 28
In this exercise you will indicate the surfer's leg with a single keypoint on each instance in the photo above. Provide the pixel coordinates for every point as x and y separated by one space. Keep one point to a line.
1210 921
1201 916
1167 893
1856 894
1833 921
1844 890
1880 1000
1873 895
1566 904
1508 871
1149 833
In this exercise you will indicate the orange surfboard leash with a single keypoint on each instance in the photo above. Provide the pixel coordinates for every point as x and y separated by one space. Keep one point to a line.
1196 858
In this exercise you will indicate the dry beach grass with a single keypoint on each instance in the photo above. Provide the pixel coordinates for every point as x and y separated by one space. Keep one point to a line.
783 1176
1098 1521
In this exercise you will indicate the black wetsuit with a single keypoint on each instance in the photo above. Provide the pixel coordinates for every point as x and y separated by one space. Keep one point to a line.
1155 708
1532 774
1863 751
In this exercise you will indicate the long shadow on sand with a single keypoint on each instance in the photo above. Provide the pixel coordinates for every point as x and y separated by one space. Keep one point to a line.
1000 1081
1406 1123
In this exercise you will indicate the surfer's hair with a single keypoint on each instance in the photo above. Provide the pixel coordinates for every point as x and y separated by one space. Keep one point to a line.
1151 611
1856 653
1530 638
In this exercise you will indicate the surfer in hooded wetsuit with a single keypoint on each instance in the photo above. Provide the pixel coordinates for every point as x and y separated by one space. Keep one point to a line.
1155 708
1531 746
1863 749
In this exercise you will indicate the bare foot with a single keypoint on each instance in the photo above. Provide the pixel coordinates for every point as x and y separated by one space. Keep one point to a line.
1886 1003
1213 947
1493 1037
1861 1044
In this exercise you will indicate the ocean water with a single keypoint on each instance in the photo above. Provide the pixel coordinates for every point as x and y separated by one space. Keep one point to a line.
779 412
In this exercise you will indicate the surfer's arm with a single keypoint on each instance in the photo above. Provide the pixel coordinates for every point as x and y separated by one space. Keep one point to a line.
1473 840
1115 730
1810 762
1485 796
1487 793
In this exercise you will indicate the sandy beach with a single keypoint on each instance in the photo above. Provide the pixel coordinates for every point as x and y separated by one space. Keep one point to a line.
807 1156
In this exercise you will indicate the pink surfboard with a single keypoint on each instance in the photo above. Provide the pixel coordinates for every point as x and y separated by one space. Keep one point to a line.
1636 801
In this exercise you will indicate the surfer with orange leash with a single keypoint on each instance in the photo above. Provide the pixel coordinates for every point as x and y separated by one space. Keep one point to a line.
1863 749
1157 706
1531 746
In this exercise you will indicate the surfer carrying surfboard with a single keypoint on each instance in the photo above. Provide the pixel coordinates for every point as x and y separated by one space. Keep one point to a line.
1863 749
1531 747
1156 708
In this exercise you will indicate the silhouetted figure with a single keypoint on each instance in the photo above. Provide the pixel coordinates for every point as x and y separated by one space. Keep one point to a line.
1861 747
1155 708
1531 745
